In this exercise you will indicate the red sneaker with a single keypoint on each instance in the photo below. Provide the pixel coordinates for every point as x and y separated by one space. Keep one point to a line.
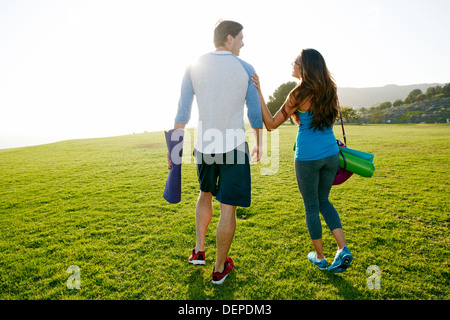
197 258
219 278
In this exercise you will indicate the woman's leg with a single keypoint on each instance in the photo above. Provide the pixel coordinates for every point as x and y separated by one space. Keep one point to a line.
307 173
329 213
338 234
318 247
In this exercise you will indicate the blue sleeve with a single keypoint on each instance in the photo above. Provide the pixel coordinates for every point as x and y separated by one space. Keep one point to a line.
252 99
253 105
186 99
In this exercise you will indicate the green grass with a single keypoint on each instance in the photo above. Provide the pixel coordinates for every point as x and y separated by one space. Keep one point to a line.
98 204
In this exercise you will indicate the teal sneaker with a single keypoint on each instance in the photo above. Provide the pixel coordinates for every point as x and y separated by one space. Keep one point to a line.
321 264
341 261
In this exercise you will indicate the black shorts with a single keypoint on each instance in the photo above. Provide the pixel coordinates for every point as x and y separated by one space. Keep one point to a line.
226 175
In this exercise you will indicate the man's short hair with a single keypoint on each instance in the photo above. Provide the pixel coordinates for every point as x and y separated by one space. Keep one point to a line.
225 28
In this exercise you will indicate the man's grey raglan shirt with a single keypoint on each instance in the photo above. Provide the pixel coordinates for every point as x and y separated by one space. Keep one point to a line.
222 84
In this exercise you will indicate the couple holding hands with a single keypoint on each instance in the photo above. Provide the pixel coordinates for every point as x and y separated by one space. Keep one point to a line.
222 84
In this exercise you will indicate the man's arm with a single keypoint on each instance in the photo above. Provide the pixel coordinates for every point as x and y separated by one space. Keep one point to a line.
253 111
255 117
184 106
186 98
178 125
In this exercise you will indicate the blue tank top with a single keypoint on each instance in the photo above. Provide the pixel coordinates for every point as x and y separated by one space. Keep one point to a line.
314 145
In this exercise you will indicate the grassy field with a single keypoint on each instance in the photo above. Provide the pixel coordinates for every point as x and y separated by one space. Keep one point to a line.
98 204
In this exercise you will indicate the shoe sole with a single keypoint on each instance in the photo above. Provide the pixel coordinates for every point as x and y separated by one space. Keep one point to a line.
197 262
223 279
346 261
321 268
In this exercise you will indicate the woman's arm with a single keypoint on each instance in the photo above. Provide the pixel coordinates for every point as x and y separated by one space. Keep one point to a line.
280 117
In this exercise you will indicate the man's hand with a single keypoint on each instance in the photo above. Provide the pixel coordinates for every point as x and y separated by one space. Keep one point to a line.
257 149
176 126
258 152
169 162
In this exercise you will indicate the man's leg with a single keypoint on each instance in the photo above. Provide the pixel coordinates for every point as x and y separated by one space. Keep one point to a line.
224 234
203 215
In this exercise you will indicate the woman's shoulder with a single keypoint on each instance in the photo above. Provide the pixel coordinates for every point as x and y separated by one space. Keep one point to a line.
305 105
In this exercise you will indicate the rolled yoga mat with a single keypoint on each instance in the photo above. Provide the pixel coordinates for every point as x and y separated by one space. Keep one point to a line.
360 154
358 162
174 141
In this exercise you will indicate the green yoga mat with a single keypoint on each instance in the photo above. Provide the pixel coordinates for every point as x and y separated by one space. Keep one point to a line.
357 162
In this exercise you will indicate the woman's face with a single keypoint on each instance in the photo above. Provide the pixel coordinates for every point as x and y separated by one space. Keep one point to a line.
296 68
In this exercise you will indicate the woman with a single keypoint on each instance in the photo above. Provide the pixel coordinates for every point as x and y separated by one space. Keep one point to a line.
313 106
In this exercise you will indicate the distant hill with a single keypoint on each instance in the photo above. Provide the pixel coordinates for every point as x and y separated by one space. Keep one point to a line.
367 97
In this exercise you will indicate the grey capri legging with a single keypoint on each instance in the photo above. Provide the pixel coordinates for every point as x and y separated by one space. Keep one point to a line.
315 179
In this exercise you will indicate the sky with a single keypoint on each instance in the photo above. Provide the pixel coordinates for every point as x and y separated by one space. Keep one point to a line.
75 69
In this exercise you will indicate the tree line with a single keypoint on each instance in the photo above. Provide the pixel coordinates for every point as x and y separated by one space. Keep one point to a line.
432 106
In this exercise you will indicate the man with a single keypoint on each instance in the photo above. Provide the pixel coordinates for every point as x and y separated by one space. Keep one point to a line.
222 84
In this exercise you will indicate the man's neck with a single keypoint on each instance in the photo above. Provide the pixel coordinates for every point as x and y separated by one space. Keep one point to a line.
222 49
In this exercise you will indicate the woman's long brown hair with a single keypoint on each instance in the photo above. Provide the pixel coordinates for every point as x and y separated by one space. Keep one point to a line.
317 85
